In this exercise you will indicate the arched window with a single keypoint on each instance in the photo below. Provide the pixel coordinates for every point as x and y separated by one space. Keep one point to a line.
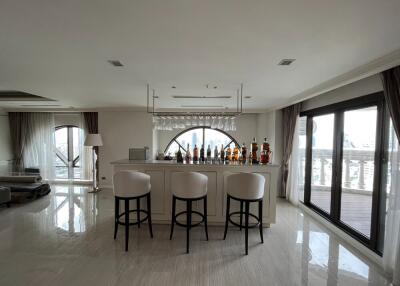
199 136
67 138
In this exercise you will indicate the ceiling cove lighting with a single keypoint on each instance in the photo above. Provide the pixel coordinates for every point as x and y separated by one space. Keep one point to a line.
169 120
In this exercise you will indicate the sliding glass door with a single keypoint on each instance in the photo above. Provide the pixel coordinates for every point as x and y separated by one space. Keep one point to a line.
345 174
322 152
358 167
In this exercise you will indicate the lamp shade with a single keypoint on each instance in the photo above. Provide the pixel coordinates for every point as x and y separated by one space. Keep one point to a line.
93 140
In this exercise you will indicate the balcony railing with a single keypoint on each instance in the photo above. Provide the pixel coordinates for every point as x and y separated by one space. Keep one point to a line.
358 170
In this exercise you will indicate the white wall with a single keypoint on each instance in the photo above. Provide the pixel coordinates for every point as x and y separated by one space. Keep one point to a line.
120 131
5 139
359 88
67 119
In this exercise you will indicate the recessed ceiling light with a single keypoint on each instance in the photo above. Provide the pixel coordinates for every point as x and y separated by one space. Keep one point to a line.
115 63
286 62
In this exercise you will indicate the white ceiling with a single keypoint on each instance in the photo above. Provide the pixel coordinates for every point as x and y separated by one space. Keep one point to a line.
59 49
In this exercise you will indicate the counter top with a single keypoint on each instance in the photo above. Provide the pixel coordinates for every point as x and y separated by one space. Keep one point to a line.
174 163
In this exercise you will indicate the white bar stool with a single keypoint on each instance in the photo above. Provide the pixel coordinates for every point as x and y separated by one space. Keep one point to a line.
188 187
131 185
245 188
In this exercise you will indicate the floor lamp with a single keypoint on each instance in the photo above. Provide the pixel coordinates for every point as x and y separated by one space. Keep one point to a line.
94 140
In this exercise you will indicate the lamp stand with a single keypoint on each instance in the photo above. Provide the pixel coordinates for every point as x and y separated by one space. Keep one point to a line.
95 186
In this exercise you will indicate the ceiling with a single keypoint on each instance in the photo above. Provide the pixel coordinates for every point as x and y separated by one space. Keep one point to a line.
60 49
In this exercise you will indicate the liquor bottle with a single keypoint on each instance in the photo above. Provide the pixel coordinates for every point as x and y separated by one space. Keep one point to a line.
228 156
235 156
209 154
215 154
254 148
195 154
179 157
222 154
244 153
266 149
202 153
188 156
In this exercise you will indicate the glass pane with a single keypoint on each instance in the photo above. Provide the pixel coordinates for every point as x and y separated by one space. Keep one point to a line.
62 140
76 139
216 138
322 150
61 172
358 168
194 136
302 156
172 149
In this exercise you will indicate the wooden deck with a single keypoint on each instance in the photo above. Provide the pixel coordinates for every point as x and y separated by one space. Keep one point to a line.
355 211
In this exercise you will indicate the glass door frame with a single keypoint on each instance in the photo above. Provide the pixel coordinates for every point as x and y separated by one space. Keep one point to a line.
69 161
375 241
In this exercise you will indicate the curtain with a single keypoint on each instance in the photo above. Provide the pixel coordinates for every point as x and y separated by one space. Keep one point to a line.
39 145
289 118
391 253
295 184
391 87
85 152
92 125
18 122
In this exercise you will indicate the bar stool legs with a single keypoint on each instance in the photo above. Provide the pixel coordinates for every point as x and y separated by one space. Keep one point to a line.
149 215
188 223
126 212
116 214
260 215
205 216
228 205
189 211
246 214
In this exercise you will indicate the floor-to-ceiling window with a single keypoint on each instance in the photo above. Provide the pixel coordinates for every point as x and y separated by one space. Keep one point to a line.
346 165
67 160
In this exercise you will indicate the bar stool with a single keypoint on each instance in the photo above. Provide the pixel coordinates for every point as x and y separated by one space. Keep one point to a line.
131 185
245 188
188 187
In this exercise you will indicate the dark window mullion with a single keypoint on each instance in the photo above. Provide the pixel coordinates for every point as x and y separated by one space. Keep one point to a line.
308 167
337 156
380 170
184 150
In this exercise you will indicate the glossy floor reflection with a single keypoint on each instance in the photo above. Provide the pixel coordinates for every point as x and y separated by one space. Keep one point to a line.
67 239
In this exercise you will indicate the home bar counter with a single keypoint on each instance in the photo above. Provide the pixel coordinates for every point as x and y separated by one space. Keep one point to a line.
161 196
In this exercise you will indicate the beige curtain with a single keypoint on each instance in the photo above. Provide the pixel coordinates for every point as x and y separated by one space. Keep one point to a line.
289 118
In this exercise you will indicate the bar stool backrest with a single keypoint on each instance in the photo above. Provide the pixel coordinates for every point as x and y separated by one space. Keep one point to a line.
130 183
189 185
246 186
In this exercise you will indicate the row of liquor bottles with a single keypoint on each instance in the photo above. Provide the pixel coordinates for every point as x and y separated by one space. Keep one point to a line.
237 154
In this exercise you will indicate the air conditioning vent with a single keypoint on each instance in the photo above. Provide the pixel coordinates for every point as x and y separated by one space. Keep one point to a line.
286 62
116 63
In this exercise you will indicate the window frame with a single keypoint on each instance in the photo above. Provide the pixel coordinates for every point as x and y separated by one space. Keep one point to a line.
378 211
174 140
70 142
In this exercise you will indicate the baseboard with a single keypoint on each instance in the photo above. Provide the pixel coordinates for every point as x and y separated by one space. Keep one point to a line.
372 256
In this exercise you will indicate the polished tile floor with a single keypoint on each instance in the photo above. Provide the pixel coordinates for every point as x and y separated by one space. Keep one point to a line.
66 238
